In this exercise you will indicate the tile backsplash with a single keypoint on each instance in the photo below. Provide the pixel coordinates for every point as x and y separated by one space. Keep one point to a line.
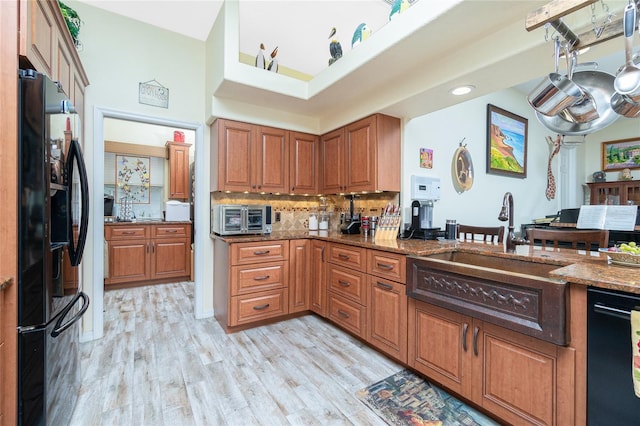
294 209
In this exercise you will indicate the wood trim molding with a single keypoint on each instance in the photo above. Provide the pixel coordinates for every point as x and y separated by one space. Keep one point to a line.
135 149
9 41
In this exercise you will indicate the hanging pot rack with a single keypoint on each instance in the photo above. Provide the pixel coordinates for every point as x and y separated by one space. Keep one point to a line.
553 12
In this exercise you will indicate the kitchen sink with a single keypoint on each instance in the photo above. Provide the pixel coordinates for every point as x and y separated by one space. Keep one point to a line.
514 293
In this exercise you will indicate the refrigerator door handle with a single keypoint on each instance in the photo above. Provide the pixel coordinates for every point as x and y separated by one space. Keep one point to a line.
60 326
75 156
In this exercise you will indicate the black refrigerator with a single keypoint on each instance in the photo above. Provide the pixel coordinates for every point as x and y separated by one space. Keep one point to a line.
53 201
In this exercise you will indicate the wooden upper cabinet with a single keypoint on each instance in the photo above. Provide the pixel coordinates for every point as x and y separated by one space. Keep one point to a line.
249 158
46 46
304 150
38 35
331 155
362 156
178 154
372 154
231 151
271 160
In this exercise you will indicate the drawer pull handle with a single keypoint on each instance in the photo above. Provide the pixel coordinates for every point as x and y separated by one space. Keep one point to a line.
128 232
261 307
171 230
344 256
384 286
262 278
384 266
344 283
261 252
343 313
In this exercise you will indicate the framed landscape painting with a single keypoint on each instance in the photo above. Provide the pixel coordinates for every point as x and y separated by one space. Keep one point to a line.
621 154
506 143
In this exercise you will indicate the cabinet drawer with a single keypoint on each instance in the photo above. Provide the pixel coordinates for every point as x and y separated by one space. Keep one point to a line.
258 306
254 278
347 314
127 232
246 253
171 231
348 256
387 265
347 283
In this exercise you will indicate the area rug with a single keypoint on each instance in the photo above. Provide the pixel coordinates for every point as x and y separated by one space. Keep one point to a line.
408 399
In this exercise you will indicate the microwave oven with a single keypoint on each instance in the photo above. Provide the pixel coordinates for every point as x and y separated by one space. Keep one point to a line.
236 219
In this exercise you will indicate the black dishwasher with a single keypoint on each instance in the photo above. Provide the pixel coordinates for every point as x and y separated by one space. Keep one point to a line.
610 396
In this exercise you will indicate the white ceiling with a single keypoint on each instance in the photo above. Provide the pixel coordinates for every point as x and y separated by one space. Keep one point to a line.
447 47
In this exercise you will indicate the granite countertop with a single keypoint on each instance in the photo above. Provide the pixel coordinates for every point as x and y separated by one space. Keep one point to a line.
576 266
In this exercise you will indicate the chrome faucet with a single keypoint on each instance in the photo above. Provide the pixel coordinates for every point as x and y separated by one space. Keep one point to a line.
506 213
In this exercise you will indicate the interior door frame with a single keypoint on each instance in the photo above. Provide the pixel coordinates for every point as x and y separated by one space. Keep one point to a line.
97 209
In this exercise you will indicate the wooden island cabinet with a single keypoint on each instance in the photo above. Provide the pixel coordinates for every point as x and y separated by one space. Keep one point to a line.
140 254
520 379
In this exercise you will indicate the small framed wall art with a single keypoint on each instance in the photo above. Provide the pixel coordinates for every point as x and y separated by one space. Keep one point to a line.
621 154
506 143
426 158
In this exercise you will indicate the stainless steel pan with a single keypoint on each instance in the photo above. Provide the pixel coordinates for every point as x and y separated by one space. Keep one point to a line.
555 92
599 85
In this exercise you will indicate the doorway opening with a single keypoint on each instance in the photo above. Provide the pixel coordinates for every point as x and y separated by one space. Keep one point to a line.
96 279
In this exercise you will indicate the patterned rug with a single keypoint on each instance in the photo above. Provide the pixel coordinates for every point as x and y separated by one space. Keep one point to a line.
407 399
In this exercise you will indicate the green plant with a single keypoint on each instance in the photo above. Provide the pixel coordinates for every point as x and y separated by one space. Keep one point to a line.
73 21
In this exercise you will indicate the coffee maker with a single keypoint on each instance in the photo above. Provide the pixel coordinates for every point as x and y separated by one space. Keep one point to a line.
425 191
351 224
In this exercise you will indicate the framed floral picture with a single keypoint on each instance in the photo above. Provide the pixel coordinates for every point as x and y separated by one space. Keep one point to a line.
621 154
133 178
506 143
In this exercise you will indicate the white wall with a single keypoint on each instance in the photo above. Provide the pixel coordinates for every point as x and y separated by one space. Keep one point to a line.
119 53
623 128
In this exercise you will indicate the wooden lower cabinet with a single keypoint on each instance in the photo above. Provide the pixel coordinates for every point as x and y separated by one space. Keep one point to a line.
387 305
348 314
318 302
251 281
258 306
346 288
299 275
144 254
513 376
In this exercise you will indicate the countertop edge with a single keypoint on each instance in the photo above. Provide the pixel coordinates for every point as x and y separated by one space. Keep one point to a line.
574 266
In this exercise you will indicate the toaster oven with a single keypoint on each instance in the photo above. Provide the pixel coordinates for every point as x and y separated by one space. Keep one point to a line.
235 219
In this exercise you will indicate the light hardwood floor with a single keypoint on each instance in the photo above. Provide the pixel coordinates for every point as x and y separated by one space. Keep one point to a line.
158 365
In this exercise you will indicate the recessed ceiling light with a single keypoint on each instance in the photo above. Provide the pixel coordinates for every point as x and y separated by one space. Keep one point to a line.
462 90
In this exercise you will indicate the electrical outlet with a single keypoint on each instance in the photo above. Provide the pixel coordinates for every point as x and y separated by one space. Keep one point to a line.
277 217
